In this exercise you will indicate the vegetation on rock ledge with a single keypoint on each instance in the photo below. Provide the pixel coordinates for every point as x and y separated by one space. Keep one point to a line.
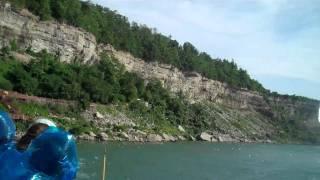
105 82
109 27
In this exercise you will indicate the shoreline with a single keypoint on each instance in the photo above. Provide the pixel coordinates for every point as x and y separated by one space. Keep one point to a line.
155 138
81 139
199 142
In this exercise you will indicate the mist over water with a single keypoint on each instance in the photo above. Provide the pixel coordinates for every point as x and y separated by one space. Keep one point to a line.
200 161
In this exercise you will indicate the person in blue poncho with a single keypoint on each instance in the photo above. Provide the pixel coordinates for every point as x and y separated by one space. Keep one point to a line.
45 152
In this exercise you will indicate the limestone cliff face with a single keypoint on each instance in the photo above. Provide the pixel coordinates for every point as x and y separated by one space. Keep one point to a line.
198 88
249 114
194 86
60 39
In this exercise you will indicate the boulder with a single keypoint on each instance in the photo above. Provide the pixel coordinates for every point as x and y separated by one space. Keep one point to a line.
98 115
133 138
181 128
192 138
204 136
268 141
6 93
154 138
92 134
167 137
86 137
246 140
141 133
124 135
181 138
225 138
118 138
103 136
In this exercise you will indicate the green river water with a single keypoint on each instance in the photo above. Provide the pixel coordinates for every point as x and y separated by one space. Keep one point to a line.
199 161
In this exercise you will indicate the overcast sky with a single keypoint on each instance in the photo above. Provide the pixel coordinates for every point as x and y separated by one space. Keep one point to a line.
276 41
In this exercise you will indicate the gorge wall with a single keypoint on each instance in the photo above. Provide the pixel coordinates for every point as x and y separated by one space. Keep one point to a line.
199 89
27 31
72 43
250 115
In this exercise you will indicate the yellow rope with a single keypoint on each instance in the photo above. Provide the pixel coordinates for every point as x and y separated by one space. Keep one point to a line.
104 164
104 168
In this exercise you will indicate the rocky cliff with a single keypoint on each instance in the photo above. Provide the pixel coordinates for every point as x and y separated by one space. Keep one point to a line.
247 114
236 113
199 89
27 31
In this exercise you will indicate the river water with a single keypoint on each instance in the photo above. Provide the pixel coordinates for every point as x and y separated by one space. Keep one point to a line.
200 161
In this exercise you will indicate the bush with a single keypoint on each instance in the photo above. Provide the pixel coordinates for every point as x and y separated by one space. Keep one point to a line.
5 84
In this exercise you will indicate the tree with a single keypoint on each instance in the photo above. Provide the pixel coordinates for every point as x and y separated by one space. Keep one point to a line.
44 9
58 8
23 82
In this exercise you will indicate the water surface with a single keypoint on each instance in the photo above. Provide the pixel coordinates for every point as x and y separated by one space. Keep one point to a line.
200 161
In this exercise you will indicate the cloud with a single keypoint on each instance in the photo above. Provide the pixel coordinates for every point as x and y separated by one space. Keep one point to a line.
266 37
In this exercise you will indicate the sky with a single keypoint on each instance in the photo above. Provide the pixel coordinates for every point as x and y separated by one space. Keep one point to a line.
276 41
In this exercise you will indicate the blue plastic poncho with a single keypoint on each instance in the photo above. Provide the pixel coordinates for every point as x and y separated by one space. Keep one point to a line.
54 153
50 156
7 131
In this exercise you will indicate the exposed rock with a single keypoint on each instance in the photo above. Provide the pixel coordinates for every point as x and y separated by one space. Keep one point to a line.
141 132
204 136
133 138
7 6
86 137
245 140
181 138
194 86
268 141
66 41
197 88
92 134
98 115
225 138
154 138
103 136
22 57
181 128
167 137
102 119
118 138
124 135
137 136
6 93
192 138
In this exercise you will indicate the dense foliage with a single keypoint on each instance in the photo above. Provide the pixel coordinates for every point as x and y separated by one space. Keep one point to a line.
105 82
143 42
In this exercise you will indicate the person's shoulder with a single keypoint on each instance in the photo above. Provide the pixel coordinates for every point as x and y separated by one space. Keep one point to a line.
57 149
7 130
54 136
